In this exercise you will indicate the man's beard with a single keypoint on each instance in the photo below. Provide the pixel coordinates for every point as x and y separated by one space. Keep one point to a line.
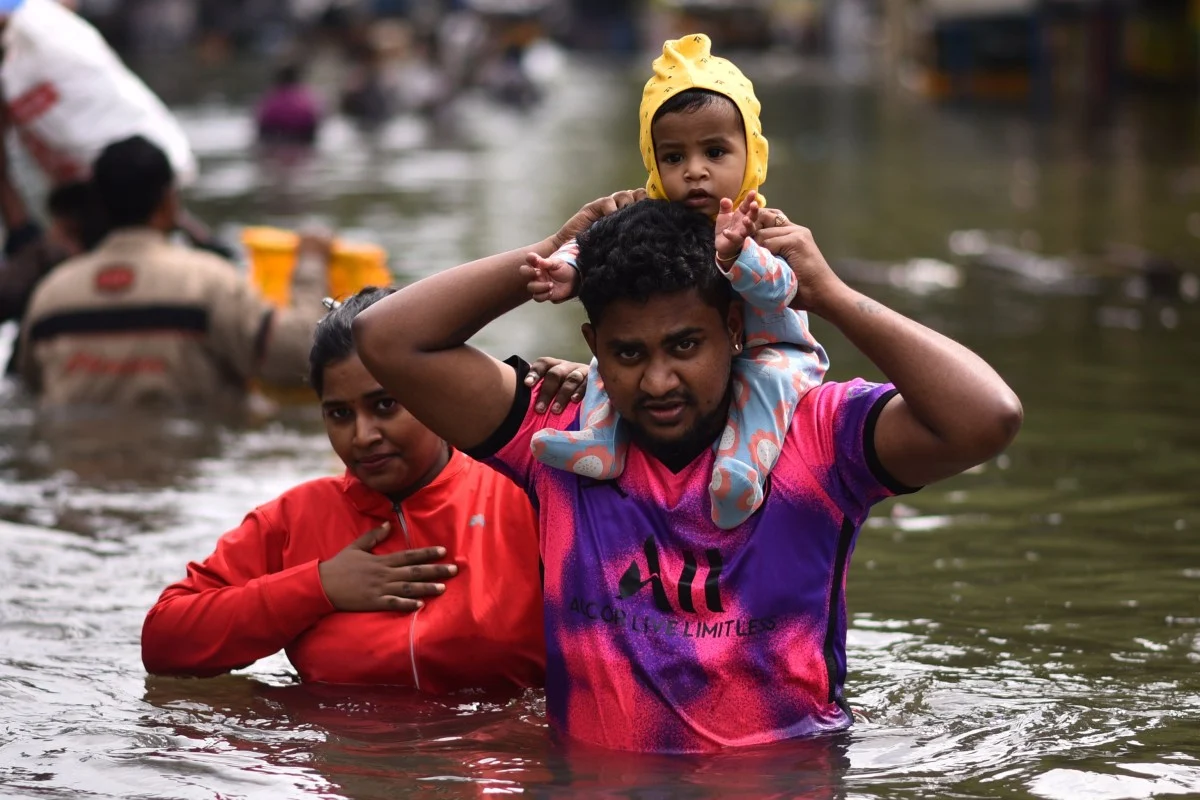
677 453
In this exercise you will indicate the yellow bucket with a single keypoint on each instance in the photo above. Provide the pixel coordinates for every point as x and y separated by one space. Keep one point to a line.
272 256
272 253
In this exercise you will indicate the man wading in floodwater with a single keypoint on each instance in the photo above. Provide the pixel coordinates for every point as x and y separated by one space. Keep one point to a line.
664 632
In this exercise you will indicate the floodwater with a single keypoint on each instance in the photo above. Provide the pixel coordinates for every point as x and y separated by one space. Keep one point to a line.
1031 629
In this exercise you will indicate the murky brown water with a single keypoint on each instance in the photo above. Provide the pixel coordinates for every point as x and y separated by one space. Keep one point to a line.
1031 629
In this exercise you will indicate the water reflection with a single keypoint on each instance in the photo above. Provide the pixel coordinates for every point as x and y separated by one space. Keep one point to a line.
1029 629
359 740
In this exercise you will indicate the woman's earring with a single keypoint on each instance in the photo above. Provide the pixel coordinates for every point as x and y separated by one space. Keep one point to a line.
737 348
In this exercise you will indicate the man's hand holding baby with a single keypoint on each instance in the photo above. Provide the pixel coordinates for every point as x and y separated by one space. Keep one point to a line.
556 279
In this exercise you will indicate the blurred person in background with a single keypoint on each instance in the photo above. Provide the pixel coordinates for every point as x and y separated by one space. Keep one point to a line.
502 47
394 68
31 250
144 321
290 112
367 96
604 25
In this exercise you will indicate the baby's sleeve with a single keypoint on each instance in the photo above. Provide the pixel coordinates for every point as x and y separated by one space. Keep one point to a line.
764 281
568 253
768 285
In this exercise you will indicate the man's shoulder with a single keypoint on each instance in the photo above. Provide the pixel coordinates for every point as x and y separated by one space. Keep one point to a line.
823 409
138 253
154 250
198 275
62 284
511 438
71 265
81 277
817 403
183 256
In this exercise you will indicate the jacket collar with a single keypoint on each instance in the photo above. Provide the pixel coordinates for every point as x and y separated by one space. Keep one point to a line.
378 505
133 238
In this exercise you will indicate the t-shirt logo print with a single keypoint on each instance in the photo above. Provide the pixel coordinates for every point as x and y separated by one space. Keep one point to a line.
631 581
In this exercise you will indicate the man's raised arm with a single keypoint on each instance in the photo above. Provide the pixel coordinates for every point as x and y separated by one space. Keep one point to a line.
414 342
953 410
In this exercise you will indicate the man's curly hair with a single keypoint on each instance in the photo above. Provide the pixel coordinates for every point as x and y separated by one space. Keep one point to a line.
649 248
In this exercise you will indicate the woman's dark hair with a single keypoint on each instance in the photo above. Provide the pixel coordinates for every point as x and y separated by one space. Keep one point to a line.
690 101
649 248
333 340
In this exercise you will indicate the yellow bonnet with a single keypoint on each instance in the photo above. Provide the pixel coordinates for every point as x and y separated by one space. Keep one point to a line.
688 63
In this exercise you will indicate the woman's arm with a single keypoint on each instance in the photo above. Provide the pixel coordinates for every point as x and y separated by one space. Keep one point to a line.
241 605
233 608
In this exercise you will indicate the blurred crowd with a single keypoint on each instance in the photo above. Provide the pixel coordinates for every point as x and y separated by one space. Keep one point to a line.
609 25
1046 50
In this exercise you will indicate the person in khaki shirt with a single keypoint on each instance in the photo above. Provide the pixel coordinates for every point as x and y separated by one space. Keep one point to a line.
143 321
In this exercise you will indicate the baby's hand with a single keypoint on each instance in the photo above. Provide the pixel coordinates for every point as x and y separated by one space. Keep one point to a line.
550 279
734 226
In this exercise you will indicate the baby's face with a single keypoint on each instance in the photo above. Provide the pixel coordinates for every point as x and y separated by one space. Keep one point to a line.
701 155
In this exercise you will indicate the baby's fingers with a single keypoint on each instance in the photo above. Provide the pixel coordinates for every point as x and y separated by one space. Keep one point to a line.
538 285
561 293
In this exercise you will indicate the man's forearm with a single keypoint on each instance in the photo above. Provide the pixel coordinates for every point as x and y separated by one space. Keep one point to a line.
948 389
414 343
445 310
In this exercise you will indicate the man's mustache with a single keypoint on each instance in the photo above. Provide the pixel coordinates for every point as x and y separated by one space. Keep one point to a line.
674 398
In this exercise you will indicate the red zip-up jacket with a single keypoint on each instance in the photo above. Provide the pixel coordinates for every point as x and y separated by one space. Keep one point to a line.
260 591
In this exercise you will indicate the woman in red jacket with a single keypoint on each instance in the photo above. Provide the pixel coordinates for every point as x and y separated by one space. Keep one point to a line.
417 567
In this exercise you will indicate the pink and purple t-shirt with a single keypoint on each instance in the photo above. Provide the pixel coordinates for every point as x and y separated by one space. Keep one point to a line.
665 633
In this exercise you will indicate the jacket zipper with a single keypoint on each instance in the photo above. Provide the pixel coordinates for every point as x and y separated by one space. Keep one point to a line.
412 626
